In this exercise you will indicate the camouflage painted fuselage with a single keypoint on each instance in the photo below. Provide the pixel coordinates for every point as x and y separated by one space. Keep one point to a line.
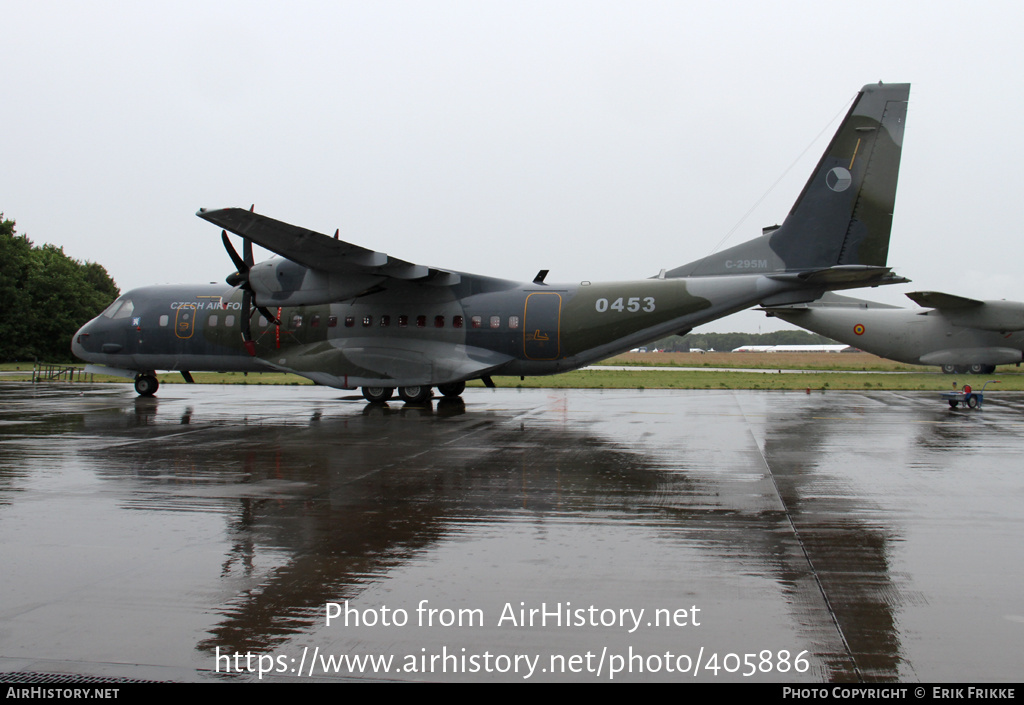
403 338
347 316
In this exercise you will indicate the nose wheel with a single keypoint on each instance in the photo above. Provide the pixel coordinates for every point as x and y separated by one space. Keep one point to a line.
146 385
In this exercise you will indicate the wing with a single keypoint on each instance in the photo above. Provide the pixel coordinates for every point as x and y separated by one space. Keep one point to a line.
936 299
318 251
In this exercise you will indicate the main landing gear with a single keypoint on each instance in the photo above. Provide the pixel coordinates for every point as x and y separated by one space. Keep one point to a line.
146 384
377 395
414 395
975 369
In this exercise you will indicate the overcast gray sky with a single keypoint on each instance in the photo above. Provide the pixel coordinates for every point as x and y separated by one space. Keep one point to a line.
600 140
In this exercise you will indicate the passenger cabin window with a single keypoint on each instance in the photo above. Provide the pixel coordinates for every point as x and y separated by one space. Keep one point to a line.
495 321
367 321
476 321
164 320
385 321
456 321
314 322
403 321
296 321
332 321
438 321
421 321
350 321
212 320
229 321
513 322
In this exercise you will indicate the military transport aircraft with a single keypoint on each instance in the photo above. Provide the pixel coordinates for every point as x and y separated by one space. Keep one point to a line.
959 334
349 317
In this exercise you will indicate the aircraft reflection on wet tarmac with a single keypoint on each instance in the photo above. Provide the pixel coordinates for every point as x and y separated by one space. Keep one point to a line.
878 532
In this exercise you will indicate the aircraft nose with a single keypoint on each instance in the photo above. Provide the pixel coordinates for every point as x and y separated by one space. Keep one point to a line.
83 342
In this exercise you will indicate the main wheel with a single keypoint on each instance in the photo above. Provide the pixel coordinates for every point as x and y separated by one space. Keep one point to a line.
948 369
454 389
376 395
146 385
414 394
976 369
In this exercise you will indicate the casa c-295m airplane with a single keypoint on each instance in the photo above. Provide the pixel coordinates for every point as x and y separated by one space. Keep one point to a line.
350 317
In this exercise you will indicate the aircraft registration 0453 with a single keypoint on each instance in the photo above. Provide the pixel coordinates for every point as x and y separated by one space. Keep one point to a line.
350 317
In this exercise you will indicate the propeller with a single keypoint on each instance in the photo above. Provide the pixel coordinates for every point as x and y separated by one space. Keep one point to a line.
240 278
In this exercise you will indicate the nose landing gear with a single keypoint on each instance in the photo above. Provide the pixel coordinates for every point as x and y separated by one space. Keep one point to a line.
146 384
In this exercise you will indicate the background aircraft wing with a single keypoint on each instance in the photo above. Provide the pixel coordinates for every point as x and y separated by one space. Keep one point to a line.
936 299
318 251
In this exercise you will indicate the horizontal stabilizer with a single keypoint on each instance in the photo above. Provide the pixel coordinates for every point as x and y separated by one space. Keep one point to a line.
844 276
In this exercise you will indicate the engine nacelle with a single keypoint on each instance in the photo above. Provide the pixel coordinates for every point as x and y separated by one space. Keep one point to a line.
281 282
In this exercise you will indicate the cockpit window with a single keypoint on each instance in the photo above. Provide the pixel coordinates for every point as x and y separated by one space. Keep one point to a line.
122 308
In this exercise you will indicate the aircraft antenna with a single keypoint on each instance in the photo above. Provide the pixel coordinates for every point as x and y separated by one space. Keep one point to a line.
828 125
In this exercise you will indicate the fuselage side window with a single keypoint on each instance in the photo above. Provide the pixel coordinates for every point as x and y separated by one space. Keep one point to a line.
332 321
438 321
164 320
229 321
476 321
350 321
513 322
456 321
367 321
403 321
495 321
212 320
421 321
385 321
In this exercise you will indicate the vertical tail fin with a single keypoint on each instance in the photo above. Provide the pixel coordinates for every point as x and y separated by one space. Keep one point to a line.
843 216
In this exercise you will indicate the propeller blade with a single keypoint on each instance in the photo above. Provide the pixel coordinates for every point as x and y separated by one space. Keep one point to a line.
247 315
250 346
232 252
271 318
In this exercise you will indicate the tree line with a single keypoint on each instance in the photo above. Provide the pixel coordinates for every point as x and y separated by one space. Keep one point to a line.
45 296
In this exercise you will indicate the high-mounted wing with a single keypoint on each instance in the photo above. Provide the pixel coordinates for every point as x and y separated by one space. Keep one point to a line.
321 252
936 299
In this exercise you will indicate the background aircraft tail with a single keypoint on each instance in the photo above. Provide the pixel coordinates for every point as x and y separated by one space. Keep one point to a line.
843 216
